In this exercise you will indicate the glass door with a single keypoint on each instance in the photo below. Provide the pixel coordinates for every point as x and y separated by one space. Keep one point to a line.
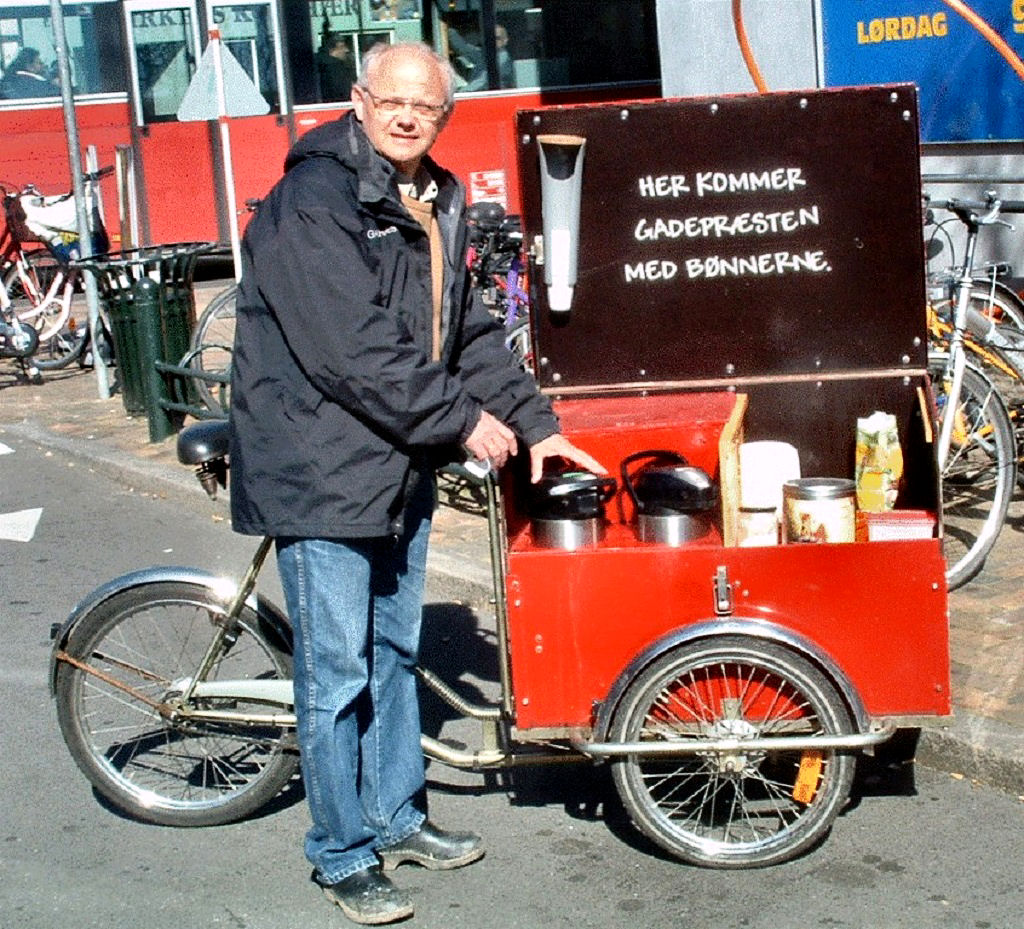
249 31
163 46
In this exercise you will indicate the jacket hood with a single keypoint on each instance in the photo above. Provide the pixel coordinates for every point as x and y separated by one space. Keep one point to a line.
333 139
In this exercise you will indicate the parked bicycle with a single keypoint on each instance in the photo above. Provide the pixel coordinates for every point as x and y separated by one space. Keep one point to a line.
18 340
38 244
974 315
210 351
498 273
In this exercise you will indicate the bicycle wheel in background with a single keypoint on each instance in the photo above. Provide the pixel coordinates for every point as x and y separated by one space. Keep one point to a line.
61 349
979 474
41 292
520 342
210 351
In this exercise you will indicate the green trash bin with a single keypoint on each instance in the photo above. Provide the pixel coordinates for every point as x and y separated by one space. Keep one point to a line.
148 295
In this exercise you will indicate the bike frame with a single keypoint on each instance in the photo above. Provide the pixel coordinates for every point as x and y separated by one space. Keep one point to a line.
957 357
958 335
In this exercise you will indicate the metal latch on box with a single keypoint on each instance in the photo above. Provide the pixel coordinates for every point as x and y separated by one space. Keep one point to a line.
723 591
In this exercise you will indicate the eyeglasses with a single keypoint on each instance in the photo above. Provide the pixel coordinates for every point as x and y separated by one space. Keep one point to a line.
391 106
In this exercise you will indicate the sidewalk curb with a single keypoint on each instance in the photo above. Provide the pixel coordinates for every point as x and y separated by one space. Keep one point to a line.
147 476
980 749
156 478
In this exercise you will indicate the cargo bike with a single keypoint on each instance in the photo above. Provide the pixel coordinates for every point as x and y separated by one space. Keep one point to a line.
709 277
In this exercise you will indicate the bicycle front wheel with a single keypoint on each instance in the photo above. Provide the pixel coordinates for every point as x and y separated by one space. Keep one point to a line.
519 341
133 654
61 349
41 292
979 474
212 344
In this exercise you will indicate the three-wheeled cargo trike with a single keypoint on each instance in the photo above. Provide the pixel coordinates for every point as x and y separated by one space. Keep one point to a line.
721 290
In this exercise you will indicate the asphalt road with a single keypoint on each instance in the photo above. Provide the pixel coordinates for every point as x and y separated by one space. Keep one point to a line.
915 848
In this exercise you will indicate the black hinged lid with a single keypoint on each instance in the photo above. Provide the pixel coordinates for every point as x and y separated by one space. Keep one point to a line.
570 495
731 238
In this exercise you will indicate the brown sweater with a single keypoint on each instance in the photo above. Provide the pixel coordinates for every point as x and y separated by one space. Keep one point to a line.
423 212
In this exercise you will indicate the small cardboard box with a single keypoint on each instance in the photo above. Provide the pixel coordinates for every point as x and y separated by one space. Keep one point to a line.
895 525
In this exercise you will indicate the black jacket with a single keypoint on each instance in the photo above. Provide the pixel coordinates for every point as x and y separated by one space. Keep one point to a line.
335 401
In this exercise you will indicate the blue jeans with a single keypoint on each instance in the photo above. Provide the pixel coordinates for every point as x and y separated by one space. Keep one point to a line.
356 606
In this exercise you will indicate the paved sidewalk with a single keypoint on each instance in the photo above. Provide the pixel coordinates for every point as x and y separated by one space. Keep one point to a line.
985 740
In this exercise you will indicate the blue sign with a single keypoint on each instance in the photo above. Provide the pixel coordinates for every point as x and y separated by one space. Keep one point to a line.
968 90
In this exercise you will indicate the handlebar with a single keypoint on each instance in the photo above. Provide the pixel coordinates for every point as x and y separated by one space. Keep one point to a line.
977 212
16 190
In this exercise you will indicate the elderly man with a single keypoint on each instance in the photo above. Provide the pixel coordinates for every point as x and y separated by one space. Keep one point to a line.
361 354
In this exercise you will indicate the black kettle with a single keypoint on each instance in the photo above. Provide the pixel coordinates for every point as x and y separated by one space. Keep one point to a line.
674 500
566 508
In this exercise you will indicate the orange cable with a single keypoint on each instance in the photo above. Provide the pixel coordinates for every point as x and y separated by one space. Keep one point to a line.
748 55
958 6
989 33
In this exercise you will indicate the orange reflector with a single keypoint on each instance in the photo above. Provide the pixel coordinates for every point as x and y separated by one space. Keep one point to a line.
807 777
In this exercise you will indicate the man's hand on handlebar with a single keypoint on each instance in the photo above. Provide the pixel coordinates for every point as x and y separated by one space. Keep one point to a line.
492 441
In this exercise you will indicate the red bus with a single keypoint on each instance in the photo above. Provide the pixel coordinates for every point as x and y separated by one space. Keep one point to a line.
132 61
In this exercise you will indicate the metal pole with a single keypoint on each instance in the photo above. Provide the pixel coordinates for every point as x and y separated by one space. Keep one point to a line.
127 196
60 41
225 144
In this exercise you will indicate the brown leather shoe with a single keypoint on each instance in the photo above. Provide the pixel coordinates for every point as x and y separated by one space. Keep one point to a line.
369 898
434 849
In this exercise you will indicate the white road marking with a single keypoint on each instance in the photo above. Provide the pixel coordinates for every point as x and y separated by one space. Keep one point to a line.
19 526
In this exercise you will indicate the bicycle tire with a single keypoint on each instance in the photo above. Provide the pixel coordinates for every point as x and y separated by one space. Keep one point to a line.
732 809
29 290
149 639
61 349
980 471
212 345
215 396
519 341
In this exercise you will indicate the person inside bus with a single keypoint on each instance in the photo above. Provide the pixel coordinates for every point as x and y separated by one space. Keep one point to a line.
335 69
471 59
362 357
26 76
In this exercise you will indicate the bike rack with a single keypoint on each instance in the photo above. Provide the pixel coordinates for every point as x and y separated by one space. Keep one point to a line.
196 410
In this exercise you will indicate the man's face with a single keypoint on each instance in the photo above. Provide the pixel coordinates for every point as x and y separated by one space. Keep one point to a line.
398 132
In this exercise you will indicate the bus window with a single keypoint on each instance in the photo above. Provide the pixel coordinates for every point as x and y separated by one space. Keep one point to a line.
249 32
94 47
164 40
548 43
328 38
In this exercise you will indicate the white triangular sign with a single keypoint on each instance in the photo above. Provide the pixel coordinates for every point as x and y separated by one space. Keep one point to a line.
19 526
240 93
